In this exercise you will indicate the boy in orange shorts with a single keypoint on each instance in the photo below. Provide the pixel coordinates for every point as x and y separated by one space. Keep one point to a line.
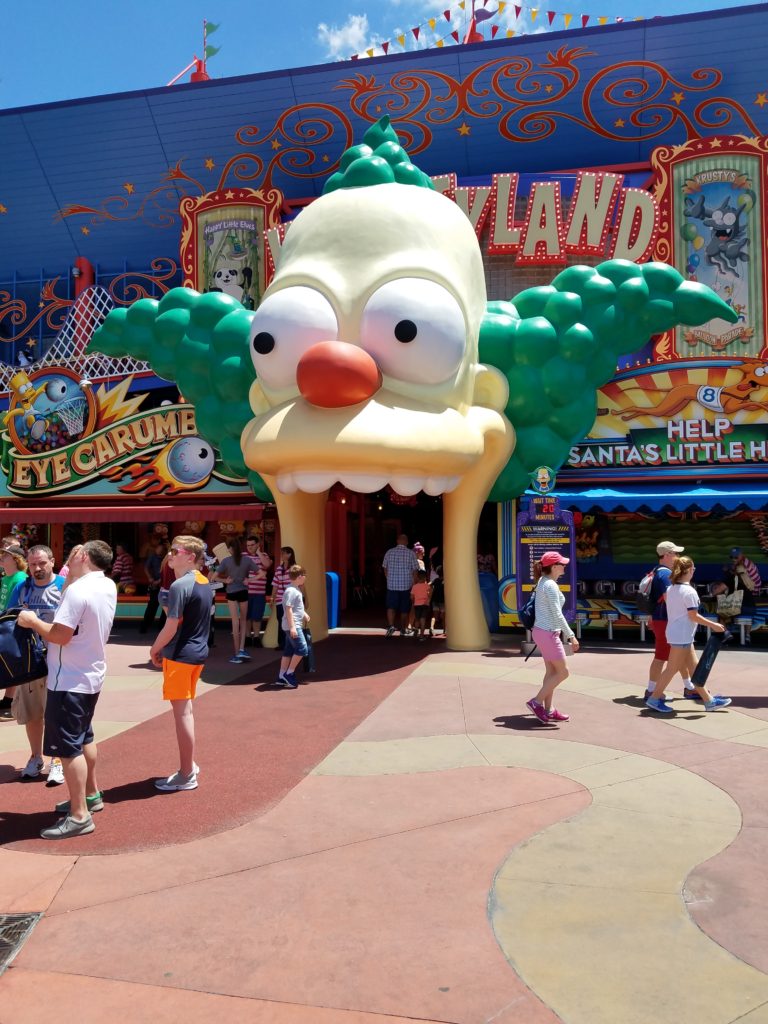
181 649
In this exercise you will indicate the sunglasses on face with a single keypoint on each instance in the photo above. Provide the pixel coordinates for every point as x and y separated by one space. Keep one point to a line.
179 551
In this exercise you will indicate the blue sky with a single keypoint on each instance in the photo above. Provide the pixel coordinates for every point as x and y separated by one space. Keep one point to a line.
52 50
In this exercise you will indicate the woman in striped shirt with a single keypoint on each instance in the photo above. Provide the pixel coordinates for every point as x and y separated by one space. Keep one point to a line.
256 585
280 581
550 623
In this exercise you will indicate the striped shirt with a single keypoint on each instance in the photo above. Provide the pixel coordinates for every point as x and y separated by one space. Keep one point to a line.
256 580
280 581
549 608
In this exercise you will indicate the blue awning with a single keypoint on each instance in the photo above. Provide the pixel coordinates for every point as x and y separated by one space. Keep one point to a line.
704 498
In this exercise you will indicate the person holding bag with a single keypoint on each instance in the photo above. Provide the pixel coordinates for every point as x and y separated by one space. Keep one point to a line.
550 623
682 618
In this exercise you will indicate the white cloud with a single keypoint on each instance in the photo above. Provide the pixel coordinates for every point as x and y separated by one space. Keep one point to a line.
351 37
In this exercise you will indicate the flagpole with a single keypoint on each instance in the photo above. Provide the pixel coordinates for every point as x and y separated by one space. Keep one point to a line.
205 43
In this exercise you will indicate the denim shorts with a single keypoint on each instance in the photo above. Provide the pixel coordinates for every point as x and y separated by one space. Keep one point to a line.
256 605
297 646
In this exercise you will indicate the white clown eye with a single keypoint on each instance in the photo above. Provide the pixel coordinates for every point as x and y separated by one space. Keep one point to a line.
285 325
729 218
415 330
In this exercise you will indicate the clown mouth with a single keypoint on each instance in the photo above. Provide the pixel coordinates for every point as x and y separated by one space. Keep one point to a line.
405 484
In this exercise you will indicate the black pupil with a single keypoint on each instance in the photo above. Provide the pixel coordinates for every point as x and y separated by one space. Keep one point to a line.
405 331
203 453
263 343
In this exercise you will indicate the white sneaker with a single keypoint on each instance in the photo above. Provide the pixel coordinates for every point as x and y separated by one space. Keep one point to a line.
32 768
176 782
55 773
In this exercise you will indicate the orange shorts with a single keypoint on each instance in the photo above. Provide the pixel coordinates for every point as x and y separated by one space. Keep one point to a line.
179 680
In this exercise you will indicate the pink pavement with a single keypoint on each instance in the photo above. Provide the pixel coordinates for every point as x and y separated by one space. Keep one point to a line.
339 861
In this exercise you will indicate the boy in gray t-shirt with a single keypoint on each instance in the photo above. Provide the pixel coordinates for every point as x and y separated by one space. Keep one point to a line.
294 620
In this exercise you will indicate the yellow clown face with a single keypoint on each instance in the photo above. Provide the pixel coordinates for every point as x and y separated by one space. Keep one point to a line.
365 349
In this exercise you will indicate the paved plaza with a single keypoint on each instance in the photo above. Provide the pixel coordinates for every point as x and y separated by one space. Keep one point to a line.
399 839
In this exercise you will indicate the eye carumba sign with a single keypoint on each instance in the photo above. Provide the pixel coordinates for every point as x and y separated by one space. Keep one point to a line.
604 219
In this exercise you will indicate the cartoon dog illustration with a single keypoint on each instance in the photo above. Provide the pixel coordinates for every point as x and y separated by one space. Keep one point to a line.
728 399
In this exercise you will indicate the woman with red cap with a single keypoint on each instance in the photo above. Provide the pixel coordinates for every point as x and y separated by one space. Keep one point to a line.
550 623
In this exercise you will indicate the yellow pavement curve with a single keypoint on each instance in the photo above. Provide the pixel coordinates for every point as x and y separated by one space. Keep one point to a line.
591 912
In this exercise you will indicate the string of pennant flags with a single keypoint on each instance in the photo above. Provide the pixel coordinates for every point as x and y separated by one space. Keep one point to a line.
419 34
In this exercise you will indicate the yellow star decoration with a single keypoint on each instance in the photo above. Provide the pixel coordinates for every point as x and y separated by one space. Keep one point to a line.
463 129
31 342
678 97
326 158
378 109
619 123
716 143
548 88
128 186
762 99
275 144
3 209
229 195
210 163
86 231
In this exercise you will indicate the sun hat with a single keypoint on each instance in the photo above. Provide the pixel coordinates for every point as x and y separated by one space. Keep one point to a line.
668 548
553 558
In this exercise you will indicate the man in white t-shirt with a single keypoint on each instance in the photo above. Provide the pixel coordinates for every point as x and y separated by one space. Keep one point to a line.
77 665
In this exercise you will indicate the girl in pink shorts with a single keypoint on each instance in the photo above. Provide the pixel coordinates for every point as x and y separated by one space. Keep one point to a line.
550 623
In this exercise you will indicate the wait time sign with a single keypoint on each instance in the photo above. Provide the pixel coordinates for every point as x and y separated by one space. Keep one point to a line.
545 527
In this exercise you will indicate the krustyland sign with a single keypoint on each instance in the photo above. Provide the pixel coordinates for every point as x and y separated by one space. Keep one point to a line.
61 436
604 219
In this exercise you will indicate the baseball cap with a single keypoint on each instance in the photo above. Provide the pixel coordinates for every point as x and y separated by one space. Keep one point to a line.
667 547
553 558
15 549
735 552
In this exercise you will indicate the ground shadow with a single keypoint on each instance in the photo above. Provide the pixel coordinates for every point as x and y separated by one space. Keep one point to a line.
521 723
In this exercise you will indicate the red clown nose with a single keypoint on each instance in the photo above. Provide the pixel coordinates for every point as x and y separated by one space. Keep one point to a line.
334 374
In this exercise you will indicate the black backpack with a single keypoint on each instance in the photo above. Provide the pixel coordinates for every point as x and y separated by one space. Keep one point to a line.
644 599
527 614
22 653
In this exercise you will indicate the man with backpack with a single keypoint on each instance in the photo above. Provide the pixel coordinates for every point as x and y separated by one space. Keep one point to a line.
662 576
41 594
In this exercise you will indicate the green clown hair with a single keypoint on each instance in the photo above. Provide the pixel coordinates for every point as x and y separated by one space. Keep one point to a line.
378 160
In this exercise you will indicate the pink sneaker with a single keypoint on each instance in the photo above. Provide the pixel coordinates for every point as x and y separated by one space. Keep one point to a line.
539 710
558 716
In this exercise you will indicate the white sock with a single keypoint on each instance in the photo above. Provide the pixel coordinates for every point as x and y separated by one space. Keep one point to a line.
688 684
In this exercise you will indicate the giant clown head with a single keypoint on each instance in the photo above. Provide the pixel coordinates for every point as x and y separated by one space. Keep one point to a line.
366 354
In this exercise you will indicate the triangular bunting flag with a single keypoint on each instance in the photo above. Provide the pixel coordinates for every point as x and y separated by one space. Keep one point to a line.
432 22
401 40
455 36
210 28
354 56
567 18
584 20
602 21
440 42
447 15
494 30
416 31
534 14
462 5
510 33
385 47
211 51
502 5
550 16
369 52
517 11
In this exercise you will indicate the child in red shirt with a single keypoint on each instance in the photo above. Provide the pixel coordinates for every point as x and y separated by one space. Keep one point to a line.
421 593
